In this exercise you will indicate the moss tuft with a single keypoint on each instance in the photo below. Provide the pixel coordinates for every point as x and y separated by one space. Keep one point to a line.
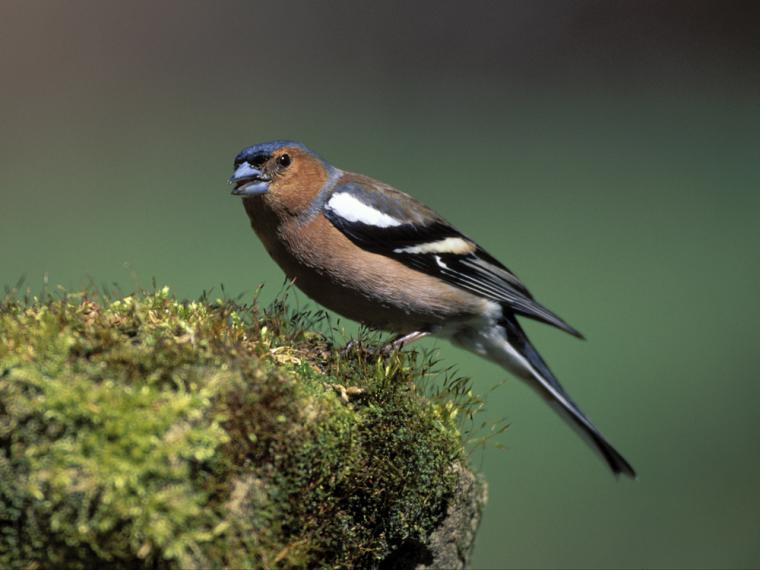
147 431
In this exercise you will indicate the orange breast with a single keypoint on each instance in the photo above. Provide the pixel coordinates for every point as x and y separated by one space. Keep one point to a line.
362 286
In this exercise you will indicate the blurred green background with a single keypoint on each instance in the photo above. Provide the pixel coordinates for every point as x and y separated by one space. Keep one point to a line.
608 152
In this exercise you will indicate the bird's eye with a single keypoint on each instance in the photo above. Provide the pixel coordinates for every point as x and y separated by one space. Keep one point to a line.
283 160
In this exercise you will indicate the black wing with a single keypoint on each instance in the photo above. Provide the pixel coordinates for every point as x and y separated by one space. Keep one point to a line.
414 235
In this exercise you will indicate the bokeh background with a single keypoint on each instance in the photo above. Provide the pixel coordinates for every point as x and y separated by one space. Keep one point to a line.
608 152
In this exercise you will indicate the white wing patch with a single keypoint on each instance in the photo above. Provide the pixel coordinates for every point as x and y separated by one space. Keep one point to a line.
352 209
454 245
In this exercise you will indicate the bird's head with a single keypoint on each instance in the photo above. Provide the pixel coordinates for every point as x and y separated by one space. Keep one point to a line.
282 172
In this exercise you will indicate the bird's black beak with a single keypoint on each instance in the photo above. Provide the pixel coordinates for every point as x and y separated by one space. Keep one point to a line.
249 181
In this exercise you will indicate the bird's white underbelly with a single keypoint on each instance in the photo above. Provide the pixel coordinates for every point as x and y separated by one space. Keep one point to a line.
486 337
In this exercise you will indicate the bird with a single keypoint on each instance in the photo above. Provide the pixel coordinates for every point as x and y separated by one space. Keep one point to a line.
376 255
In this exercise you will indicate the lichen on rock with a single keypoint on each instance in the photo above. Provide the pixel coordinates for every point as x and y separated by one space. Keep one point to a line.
144 431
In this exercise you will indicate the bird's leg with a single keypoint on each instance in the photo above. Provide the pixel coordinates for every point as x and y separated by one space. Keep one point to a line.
401 341
396 344
350 346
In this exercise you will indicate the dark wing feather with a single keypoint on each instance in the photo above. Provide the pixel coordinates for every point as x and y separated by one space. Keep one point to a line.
475 271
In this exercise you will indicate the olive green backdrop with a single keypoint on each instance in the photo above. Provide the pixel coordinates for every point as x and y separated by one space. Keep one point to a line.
607 152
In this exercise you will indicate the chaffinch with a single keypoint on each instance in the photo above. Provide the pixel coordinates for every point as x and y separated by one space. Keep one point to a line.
378 256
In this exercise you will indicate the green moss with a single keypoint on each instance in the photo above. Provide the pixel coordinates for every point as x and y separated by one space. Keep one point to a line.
146 431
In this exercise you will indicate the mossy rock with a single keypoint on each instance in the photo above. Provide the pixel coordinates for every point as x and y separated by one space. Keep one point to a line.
149 432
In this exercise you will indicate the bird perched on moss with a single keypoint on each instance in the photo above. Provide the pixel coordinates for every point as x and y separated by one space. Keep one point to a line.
378 256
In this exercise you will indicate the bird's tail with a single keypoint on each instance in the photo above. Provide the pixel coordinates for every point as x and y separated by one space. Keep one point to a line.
517 354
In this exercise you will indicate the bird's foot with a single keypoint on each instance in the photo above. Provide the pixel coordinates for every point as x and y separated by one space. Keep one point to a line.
395 345
401 341
355 346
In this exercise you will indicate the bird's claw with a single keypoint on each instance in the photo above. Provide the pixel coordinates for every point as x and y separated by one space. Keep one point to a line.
385 351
